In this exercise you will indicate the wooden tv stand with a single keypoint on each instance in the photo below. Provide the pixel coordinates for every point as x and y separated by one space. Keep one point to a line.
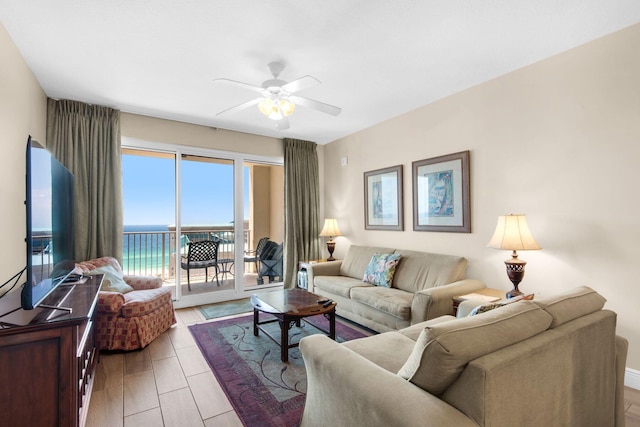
47 365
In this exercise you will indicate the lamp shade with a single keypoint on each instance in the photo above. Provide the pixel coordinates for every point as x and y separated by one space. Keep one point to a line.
512 233
330 228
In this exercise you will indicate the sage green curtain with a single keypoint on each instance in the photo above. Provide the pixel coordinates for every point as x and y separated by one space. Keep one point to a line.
301 206
86 139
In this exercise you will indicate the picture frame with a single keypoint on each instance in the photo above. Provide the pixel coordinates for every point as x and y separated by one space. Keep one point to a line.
383 199
441 199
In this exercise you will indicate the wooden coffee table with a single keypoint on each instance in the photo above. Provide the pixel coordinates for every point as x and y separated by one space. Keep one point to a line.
289 307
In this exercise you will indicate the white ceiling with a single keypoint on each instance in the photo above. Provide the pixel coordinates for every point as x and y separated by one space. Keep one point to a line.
376 59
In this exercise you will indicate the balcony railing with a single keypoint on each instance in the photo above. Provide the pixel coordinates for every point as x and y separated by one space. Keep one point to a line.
152 253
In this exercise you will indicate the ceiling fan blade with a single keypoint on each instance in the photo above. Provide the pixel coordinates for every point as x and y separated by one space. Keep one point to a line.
240 84
240 106
282 124
305 82
316 105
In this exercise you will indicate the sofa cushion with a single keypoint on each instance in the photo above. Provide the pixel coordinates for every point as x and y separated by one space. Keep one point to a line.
388 350
381 269
423 270
571 304
443 350
139 303
357 259
339 285
414 331
143 282
392 301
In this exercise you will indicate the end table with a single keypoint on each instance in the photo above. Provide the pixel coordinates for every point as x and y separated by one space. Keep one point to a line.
486 295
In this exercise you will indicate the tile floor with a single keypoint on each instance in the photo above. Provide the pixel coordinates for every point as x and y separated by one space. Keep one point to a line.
169 383
632 407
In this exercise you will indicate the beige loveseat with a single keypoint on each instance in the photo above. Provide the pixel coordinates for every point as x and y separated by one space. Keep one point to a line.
422 288
552 362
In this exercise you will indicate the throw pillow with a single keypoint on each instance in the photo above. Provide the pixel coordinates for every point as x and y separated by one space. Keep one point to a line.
113 280
488 307
381 269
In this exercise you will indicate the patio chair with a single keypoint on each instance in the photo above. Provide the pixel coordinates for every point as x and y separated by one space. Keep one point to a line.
254 255
271 262
201 254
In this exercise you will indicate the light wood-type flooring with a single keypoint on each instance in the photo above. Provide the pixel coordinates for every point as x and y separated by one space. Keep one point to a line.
169 383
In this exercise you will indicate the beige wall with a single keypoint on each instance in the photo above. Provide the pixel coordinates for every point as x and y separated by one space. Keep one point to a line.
558 140
267 202
277 203
261 214
152 129
22 113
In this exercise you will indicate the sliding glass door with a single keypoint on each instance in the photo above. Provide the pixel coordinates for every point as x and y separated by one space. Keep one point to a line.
148 182
207 220
216 204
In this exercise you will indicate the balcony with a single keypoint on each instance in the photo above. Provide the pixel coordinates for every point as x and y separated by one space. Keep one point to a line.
152 253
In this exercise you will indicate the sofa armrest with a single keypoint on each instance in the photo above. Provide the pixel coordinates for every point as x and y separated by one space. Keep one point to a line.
345 389
140 283
622 347
438 301
329 268
110 302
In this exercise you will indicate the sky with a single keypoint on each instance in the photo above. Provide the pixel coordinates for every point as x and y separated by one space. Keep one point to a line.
149 191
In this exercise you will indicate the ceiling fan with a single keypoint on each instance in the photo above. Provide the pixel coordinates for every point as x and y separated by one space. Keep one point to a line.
277 98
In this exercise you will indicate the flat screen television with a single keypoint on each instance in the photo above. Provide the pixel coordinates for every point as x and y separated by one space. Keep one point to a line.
49 207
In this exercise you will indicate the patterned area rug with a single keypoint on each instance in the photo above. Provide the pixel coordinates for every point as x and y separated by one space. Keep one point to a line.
222 309
263 390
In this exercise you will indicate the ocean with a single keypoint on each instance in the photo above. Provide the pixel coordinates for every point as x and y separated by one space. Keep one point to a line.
146 249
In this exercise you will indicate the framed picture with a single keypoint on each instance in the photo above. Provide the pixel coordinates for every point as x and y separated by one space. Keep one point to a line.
441 194
383 199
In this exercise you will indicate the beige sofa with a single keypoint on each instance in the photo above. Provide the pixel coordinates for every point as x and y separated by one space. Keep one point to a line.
551 362
423 287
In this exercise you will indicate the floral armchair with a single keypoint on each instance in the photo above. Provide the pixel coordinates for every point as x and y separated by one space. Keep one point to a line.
129 320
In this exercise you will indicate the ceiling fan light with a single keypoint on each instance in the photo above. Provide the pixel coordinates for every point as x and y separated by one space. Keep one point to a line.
270 108
276 114
266 106
287 107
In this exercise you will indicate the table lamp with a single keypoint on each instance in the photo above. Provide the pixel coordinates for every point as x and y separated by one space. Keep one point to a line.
512 233
330 230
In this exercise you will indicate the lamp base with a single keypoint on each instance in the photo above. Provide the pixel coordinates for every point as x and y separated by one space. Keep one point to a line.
331 246
515 271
